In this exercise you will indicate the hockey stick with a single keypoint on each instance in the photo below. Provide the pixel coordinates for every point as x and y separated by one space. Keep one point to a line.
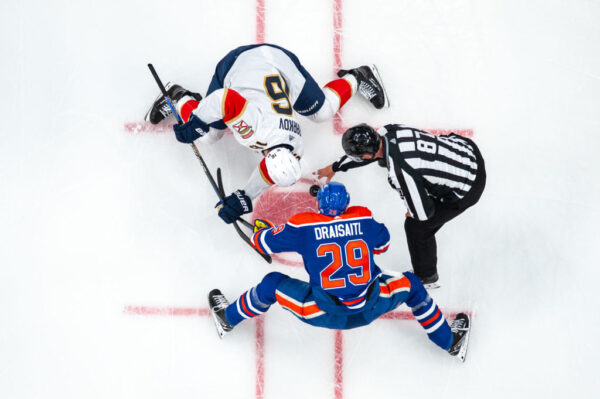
266 257
180 122
218 190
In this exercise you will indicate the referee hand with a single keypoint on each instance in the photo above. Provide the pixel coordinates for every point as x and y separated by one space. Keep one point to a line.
326 172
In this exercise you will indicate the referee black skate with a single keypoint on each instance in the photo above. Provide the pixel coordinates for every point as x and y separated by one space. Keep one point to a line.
437 177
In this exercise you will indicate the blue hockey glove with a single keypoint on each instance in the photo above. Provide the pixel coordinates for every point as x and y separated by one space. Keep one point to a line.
236 204
191 130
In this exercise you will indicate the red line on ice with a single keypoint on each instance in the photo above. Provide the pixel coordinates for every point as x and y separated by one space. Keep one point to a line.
339 365
164 311
260 322
260 357
189 312
260 21
338 127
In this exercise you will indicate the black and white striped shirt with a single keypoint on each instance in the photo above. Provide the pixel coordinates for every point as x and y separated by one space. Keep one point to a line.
422 166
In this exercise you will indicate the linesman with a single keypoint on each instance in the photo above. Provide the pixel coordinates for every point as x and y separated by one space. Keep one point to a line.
437 177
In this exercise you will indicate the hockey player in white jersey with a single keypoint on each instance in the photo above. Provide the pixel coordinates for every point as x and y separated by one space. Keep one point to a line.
256 91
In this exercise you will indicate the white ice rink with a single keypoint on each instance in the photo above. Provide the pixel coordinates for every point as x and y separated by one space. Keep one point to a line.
109 242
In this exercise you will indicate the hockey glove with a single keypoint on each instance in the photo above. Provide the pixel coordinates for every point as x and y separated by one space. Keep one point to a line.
191 130
235 205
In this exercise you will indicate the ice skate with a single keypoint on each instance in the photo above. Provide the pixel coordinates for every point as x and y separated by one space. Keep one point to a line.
160 109
431 282
461 327
217 304
370 85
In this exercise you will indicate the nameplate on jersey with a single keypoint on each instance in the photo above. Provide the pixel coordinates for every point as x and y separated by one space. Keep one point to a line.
289 125
338 230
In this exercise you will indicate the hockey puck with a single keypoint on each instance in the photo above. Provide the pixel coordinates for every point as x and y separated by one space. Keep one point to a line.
314 189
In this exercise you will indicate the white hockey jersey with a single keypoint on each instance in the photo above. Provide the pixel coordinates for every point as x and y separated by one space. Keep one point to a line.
257 103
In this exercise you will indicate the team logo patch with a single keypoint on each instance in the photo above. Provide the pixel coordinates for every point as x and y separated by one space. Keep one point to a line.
243 129
278 229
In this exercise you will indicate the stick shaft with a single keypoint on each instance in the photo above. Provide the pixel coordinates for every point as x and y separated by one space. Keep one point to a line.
164 93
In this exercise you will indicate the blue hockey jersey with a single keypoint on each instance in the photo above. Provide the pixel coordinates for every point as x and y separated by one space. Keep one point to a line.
337 251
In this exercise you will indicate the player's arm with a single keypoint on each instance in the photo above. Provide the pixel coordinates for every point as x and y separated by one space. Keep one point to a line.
225 105
282 238
381 238
412 190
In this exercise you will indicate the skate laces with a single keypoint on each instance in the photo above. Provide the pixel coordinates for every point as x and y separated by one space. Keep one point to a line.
367 90
165 109
220 302
458 324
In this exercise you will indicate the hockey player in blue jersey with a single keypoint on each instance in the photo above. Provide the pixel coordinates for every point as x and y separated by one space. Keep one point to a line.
346 288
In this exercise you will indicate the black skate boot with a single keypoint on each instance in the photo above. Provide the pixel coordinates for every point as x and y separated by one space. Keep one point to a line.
431 282
217 304
160 109
370 85
461 327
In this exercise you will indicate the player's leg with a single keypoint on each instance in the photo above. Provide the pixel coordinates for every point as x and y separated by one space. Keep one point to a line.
160 109
454 338
314 102
321 104
311 305
321 107
251 303
397 288
370 85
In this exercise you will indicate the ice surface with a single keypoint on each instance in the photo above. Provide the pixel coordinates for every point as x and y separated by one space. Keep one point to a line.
96 219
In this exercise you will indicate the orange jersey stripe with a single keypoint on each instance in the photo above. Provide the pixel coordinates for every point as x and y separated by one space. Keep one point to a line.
302 311
255 244
312 217
404 282
352 302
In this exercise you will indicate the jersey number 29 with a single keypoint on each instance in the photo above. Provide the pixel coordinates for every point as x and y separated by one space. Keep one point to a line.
355 254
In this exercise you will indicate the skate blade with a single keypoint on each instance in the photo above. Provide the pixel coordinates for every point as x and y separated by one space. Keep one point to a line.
220 331
378 76
432 286
462 353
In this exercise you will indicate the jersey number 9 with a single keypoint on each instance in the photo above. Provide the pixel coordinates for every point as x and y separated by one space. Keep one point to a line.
278 91
355 255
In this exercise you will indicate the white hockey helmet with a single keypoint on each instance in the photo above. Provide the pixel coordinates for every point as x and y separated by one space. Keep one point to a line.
283 167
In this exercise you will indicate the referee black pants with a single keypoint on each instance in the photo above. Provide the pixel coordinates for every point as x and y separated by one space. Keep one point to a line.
420 235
